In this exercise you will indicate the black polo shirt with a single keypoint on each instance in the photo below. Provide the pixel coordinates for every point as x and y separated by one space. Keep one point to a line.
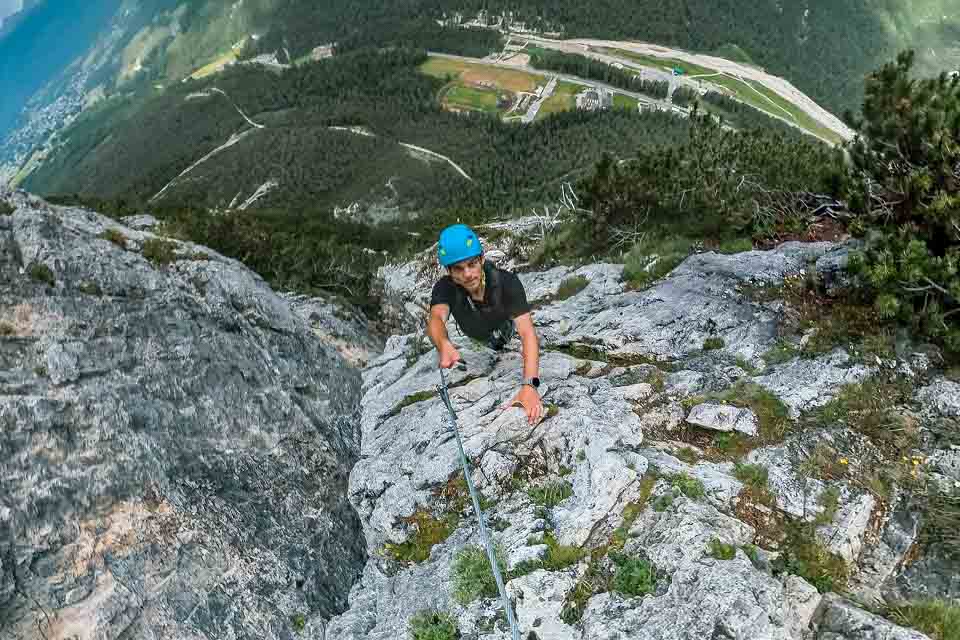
503 301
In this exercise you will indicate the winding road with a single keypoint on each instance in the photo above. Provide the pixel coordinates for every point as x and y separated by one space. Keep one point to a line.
780 86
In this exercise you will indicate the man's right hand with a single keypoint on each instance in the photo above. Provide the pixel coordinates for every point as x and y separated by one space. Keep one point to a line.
449 356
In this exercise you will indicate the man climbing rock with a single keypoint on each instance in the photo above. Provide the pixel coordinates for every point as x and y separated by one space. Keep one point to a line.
488 304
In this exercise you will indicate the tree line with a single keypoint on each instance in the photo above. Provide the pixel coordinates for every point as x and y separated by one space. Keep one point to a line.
585 67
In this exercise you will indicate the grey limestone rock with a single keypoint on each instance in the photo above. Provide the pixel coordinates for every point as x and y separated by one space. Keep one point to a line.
840 619
942 397
722 417
340 325
804 384
615 416
176 441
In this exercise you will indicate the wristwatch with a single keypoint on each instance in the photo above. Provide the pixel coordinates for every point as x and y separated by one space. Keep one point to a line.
533 382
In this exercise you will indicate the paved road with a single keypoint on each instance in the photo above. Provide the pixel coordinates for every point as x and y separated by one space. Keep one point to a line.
776 84
647 73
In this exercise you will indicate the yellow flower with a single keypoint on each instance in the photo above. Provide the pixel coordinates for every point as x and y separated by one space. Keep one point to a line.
843 461
915 462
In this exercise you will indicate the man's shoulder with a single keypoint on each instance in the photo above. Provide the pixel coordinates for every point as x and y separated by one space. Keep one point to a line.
500 270
506 276
444 291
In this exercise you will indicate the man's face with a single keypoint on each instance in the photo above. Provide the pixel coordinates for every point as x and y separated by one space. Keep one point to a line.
468 273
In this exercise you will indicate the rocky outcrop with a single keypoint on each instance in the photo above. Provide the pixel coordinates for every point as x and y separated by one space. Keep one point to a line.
842 620
174 441
340 325
620 464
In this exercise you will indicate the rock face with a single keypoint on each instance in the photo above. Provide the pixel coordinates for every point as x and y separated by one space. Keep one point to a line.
174 441
340 325
608 469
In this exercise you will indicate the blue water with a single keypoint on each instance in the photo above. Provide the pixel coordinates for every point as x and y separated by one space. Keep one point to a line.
43 44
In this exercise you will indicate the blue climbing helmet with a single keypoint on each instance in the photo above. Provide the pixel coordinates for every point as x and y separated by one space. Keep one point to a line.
457 243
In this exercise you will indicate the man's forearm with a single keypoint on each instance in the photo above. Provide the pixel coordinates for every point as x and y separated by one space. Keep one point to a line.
530 348
437 331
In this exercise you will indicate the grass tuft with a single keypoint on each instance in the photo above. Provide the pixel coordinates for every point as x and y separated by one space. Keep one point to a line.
754 475
634 576
298 622
428 531
652 259
159 252
688 455
663 502
116 237
941 526
721 550
772 415
712 344
830 501
804 556
472 576
571 287
868 407
433 625
551 494
939 619
780 353
688 486
414 398
42 273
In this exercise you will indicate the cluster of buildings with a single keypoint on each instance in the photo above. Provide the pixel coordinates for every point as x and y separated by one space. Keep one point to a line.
504 22
323 51
593 99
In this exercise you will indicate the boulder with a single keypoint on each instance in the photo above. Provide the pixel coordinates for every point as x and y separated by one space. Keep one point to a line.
722 417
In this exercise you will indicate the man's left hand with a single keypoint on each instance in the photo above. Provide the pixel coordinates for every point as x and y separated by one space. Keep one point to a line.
530 400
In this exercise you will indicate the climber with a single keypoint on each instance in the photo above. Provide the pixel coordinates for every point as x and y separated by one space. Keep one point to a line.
488 304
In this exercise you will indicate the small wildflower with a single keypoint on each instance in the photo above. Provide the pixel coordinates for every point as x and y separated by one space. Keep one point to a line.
916 462
844 461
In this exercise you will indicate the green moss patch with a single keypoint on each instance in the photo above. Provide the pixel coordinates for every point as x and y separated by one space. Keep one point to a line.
41 273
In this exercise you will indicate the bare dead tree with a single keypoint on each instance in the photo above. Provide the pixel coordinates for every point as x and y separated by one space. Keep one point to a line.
630 235
771 205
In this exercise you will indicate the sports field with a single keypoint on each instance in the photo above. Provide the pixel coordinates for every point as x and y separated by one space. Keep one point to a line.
473 98
509 79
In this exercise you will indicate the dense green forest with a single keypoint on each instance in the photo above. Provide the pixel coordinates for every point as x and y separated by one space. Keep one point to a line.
510 166
122 154
825 47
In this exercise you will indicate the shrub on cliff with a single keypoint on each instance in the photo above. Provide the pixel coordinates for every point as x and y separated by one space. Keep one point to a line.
906 163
